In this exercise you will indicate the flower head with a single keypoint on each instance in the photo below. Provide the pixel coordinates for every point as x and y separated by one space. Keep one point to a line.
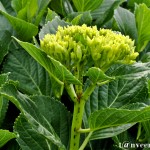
88 46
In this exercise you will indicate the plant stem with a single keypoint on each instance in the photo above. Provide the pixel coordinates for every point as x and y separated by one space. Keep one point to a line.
85 141
84 130
76 124
77 117
71 92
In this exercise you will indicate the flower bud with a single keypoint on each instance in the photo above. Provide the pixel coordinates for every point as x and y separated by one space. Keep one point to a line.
88 47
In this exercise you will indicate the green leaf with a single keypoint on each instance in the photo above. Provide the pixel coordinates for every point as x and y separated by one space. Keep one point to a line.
142 14
7 6
32 77
122 17
131 3
51 27
121 93
3 79
62 7
130 72
82 5
3 109
80 17
128 94
96 75
111 117
50 15
5 39
3 101
43 115
76 20
5 136
105 12
28 138
110 132
24 29
25 10
54 68
30 10
146 126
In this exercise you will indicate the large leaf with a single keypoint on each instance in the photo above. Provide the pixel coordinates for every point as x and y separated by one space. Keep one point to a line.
142 15
82 5
54 68
105 12
128 94
130 72
122 17
111 117
30 139
51 27
43 115
5 136
32 77
24 29
118 94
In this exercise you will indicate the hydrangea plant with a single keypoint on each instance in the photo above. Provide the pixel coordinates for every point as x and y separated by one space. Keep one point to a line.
79 48
75 53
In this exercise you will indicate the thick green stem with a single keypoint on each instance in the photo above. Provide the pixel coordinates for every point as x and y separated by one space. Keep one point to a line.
77 117
76 124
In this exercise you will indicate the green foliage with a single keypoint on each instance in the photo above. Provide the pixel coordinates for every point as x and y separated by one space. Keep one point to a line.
39 92
142 14
82 5
5 136
122 17
21 27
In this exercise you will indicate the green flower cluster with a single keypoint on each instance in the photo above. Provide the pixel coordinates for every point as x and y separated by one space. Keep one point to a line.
88 46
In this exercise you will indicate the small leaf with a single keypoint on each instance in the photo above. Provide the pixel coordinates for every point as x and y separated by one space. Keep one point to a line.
51 27
5 136
80 17
142 14
50 15
82 5
24 29
76 20
111 117
3 79
97 75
